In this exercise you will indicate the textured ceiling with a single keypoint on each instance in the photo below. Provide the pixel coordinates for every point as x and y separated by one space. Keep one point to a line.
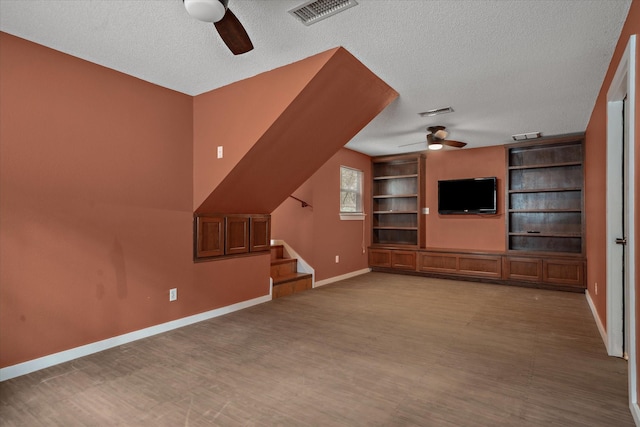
505 66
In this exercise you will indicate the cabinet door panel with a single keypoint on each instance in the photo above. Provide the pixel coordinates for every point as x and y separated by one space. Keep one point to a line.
485 266
563 272
529 269
379 257
404 260
237 235
210 236
436 262
260 228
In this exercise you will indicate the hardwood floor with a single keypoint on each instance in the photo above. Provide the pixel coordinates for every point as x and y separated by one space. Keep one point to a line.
374 350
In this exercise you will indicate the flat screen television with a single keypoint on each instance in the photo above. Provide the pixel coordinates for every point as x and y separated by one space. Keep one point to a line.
467 196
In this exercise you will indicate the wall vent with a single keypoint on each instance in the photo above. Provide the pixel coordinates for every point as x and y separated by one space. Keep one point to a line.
317 10
436 112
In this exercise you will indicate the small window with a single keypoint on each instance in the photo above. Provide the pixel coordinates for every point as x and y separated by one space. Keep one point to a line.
350 193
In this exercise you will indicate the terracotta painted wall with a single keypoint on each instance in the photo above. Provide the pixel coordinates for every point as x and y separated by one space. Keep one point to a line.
596 180
237 115
595 168
96 202
341 98
471 232
317 233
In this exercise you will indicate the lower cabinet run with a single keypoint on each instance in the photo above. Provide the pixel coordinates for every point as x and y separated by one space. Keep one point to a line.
551 272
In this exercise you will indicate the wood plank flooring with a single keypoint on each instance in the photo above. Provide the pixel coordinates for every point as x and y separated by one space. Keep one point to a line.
374 350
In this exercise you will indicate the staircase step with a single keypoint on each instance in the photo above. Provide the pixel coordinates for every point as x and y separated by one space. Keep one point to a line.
284 267
277 252
296 282
290 277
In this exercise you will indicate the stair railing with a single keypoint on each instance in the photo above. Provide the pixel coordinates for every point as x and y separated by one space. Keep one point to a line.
304 204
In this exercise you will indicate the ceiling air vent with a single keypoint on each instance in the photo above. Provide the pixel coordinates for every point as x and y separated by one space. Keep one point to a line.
314 11
525 136
436 112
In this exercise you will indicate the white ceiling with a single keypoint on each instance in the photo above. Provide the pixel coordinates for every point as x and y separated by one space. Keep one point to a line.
505 66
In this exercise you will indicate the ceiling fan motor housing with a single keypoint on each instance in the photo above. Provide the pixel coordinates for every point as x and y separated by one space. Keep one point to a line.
206 10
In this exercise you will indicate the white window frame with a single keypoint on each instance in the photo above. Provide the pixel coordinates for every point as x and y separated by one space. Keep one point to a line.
349 215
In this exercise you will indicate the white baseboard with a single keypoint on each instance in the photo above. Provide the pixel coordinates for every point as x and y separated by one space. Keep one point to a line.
85 350
594 312
341 277
635 413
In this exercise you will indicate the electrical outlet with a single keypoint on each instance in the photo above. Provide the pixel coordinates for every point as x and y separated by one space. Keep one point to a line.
337 259
173 294
220 151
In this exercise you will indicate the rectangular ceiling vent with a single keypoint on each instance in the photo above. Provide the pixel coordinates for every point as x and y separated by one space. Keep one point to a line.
317 10
525 136
436 112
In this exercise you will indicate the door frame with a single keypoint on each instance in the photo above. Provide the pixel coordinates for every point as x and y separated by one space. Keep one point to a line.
623 84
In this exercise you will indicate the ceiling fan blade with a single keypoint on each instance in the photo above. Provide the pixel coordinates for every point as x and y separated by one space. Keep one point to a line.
451 143
233 34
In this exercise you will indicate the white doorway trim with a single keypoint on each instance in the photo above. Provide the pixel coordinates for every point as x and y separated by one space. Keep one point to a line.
623 84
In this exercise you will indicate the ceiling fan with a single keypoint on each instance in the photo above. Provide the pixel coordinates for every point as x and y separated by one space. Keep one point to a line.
228 26
437 139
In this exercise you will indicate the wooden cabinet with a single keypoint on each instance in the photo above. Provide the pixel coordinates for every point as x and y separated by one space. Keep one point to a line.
545 196
217 236
552 272
525 269
398 200
559 272
260 238
461 263
403 260
545 212
392 258
209 237
544 220
236 235
380 258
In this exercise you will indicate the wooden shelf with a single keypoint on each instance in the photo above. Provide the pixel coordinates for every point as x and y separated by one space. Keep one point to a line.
544 210
395 228
398 199
393 212
546 234
545 182
387 196
546 190
547 165
380 178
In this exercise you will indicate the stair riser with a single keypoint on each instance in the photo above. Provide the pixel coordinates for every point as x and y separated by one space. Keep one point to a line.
278 270
291 287
277 252
283 269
